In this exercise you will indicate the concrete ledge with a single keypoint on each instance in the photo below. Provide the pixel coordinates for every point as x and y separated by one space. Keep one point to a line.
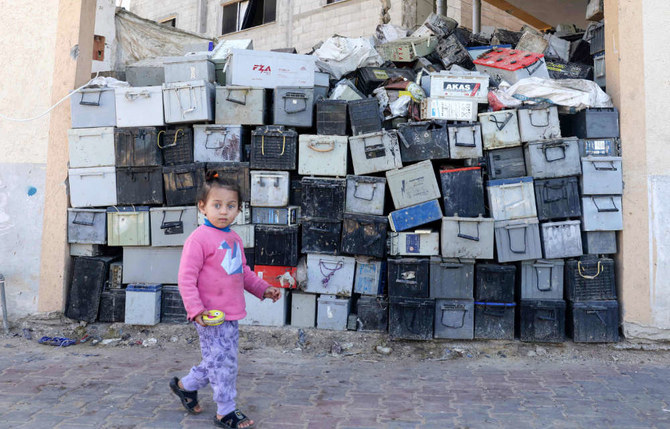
636 331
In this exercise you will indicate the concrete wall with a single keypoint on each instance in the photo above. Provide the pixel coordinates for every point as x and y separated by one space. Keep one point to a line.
186 11
27 76
104 26
461 11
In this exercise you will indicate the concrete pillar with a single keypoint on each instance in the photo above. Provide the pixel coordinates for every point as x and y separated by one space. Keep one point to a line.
637 65
72 68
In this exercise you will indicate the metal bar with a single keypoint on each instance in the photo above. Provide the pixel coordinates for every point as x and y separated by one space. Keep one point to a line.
440 7
5 322
476 16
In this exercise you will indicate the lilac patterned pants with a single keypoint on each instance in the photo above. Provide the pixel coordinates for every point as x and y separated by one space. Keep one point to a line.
218 345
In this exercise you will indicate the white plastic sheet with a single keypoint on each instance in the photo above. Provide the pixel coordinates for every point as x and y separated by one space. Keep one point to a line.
388 33
341 55
570 94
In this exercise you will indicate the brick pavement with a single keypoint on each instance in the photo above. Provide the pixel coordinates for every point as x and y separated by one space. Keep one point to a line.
126 387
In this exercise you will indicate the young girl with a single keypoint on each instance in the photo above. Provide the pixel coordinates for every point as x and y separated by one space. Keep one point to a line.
213 275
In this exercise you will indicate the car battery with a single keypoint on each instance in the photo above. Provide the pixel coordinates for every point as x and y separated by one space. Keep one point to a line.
293 106
463 237
79 249
595 10
128 226
303 310
332 312
145 264
599 73
372 313
417 243
416 215
552 158
602 175
147 72
328 274
564 70
411 318
463 192
238 172
593 321
86 226
331 117
182 183
136 147
602 213
599 242
449 109
139 185
518 240
599 147
421 141
467 85
407 49
511 65
93 107
494 320
452 52
557 198
143 304
451 278
375 152
322 155
247 233
92 187
187 102
269 70
590 278
364 116
500 129
276 245
364 235
465 141
275 215
454 319
139 107
369 78
189 67
176 144
511 198
112 306
170 226
269 188
413 184
240 105
321 86
542 321
91 147
273 148
538 123
115 280
172 306
265 312
219 143
370 276
597 38
505 163
277 276
323 197
561 239
542 279
321 235
409 277
365 195
495 282
89 275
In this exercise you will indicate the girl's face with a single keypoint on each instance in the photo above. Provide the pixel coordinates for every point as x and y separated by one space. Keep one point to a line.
221 207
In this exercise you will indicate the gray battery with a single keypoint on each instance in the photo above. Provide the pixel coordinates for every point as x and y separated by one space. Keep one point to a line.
87 226
93 107
275 215
467 237
189 67
219 143
413 184
452 278
518 240
455 319
332 312
599 242
542 279
365 194
465 141
293 106
561 239
602 175
602 213
170 226
240 105
552 158
500 129
375 152
191 101
539 124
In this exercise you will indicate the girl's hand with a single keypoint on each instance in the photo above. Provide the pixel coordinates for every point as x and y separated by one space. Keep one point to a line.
198 319
272 293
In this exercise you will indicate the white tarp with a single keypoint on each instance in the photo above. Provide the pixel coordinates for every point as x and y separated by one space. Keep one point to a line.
341 55
571 94
140 38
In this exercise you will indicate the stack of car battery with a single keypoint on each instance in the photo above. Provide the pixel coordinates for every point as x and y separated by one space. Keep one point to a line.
367 219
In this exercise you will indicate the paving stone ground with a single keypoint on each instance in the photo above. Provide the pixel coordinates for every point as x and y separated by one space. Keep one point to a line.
127 387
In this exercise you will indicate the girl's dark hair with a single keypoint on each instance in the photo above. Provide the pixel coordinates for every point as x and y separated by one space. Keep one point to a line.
214 180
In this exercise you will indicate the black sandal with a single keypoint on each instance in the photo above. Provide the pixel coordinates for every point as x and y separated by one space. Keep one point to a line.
232 420
189 399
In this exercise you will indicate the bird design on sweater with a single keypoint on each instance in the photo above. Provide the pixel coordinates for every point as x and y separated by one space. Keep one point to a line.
232 260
